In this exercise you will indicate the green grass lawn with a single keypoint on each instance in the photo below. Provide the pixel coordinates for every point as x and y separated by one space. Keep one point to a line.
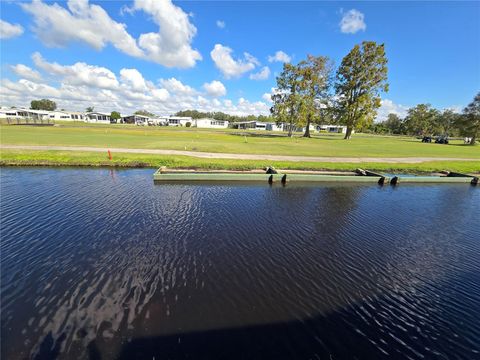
80 158
228 141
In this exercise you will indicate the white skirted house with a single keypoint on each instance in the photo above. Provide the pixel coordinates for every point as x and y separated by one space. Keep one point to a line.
98 117
22 113
136 119
60 115
77 116
249 125
180 121
339 129
211 123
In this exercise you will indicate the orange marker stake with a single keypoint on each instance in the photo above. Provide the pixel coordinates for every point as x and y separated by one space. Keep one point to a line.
109 155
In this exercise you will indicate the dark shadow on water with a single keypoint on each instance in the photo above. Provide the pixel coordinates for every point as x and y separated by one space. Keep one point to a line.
339 334
305 339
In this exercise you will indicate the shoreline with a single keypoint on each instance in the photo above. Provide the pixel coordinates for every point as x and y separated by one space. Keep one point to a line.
85 159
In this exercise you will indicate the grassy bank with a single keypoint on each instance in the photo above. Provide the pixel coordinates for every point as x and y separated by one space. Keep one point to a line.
72 158
228 141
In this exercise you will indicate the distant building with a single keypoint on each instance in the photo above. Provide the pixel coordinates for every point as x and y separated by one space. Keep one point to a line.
136 119
250 125
211 123
340 129
180 121
98 117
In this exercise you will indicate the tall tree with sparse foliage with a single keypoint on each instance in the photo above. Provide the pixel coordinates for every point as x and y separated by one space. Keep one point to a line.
313 88
43 104
469 122
89 109
286 99
360 79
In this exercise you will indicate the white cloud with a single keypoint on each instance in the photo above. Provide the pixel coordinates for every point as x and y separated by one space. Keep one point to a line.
177 87
133 79
352 21
75 91
8 30
280 56
389 107
230 68
57 26
171 46
262 74
221 24
79 73
160 94
267 97
215 88
26 72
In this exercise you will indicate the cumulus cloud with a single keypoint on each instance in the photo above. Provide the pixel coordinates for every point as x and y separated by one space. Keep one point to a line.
8 30
176 86
279 56
171 46
215 88
221 24
389 107
57 26
133 79
231 68
267 97
79 73
262 74
26 72
132 91
352 22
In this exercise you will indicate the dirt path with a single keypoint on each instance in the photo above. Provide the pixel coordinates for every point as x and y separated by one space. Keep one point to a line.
208 155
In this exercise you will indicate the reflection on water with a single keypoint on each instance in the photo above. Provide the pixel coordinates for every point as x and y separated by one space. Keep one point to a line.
105 264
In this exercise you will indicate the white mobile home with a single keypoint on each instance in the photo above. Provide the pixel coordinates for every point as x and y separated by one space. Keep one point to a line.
180 121
136 119
251 125
340 129
211 123
59 115
98 117
10 114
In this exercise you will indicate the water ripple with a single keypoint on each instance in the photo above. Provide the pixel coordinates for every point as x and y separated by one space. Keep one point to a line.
106 258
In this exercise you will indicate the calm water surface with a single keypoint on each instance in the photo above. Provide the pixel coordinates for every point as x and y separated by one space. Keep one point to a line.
104 264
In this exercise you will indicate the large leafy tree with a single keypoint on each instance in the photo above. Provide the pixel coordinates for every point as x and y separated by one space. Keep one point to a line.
360 79
115 115
393 124
43 104
469 122
286 98
314 80
446 122
421 120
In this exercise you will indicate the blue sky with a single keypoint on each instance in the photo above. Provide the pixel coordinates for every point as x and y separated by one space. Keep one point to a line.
221 55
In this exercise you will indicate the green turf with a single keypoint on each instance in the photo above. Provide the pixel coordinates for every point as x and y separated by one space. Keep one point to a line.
73 158
228 141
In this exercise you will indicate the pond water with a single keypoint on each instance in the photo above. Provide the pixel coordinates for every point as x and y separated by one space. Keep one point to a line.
103 264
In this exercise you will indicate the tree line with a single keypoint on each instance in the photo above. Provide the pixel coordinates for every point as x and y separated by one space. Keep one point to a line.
218 115
313 92
423 120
